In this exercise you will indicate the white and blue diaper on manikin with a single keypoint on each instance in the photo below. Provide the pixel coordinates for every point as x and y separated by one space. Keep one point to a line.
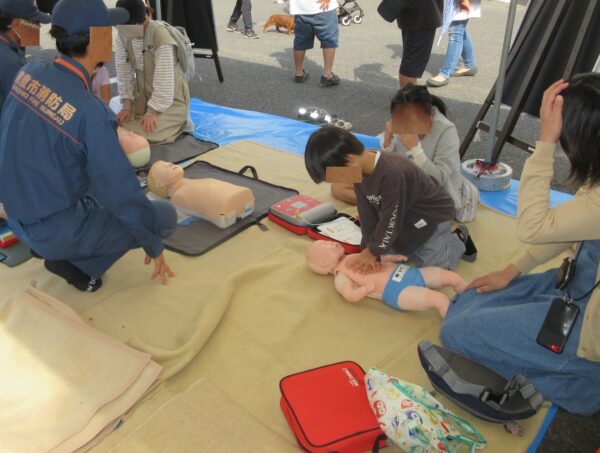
403 277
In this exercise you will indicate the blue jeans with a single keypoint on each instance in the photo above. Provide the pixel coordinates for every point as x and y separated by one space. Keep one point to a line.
459 45
499 330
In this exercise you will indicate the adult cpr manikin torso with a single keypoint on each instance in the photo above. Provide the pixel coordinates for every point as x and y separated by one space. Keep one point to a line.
135 147
217 201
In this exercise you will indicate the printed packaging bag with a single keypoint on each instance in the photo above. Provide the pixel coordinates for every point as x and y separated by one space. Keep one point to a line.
414 420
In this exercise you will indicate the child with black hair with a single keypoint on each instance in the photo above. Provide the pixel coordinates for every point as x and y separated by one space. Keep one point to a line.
101 83
402 209
435 150
420 130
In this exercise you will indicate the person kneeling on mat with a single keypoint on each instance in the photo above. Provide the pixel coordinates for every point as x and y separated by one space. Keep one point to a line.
402 209
155 95
68 189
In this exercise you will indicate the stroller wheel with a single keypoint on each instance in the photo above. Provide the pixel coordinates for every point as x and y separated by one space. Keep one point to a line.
357 19
346 20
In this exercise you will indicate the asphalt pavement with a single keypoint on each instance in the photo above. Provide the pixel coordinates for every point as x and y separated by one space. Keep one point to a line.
259 75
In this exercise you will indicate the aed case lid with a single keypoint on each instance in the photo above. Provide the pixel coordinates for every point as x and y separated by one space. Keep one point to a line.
301 210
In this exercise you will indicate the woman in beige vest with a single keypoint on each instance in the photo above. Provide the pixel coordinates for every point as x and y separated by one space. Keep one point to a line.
154 93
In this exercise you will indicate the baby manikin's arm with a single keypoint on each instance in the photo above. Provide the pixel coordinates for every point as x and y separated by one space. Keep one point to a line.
350 290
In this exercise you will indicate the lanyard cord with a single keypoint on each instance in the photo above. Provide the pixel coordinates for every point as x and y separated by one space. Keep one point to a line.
570 298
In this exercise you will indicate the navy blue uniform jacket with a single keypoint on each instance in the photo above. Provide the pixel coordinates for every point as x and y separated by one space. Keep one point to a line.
60 154
12 58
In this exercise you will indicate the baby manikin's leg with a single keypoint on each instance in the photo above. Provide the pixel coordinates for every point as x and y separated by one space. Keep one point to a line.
416 298
437 278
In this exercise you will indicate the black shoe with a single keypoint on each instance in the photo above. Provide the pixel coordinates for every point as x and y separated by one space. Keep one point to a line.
35 254
250 34
330 81
233 28
73 275
301 78
462 232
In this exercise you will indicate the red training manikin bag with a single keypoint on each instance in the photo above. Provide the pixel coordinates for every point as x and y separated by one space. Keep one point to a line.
328 410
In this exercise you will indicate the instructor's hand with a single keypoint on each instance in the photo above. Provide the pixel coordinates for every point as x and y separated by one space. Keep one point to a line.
551 112
161 269
149 122
495 281
124 116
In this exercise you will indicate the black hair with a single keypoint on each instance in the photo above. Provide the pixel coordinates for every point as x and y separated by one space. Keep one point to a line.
418 95
71 46
46 6
329 146
5 23
580 137
137 10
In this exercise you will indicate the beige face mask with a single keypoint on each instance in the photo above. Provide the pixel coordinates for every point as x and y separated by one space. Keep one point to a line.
28 32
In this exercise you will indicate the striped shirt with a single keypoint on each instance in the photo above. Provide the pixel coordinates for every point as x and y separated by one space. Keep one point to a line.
164 73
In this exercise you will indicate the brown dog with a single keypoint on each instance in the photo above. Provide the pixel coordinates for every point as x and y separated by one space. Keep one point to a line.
280 20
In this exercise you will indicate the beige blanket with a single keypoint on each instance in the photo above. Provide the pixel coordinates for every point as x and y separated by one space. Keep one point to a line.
62 382
248 313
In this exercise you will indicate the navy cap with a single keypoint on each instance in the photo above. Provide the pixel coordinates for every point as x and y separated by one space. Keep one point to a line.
23 9
77 16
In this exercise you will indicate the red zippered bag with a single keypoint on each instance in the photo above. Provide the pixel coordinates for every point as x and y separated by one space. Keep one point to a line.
328 410
313 233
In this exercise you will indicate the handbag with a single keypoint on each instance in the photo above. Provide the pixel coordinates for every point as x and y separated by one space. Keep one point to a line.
328 411
414 420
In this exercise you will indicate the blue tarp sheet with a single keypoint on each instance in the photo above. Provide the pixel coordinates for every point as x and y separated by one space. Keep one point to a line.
506 201
223 125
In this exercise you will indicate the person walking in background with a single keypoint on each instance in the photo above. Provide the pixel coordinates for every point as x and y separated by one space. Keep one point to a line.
459 43
418 21
315 18
243 9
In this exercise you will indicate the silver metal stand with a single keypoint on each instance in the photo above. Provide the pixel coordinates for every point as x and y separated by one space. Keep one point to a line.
158 10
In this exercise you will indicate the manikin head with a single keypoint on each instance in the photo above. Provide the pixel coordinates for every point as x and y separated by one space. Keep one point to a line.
135 147
323 257
162 176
